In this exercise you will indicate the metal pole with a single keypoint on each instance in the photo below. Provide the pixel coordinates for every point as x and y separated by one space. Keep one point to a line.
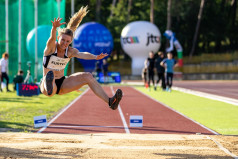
58 2
7 38
36 35
72 60
19 36
197 29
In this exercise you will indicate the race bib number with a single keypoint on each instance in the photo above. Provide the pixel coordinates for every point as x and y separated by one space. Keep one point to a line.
57 63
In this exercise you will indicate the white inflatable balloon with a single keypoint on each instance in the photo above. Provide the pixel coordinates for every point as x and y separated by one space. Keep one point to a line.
137 40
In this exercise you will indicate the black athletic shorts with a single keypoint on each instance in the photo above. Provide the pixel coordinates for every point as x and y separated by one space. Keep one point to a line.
58 83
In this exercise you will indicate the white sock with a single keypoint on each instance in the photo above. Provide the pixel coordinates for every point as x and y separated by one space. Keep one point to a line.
45 85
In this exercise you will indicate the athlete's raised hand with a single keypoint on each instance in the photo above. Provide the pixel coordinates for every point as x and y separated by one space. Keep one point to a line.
56 23
101 56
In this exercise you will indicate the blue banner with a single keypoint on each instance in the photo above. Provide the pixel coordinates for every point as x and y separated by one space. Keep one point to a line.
112 77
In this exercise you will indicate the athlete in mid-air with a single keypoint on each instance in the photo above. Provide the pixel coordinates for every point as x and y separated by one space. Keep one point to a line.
58 54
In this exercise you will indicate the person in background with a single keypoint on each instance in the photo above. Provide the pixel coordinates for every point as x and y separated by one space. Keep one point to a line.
160 70
97 70
150 62
18 78
4 69
105 70
144 76
169 63
0 78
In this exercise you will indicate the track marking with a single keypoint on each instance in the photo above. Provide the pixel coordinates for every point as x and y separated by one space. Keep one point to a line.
178 112
122 116
208 95
89 126
223 148
62 111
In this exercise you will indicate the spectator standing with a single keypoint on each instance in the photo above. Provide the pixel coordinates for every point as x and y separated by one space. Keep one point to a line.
150 62
160 70
144 76
4 69
169 63
105 70
18 78
97 70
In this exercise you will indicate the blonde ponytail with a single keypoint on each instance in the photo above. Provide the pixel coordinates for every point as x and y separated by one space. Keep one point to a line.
73 22
77 18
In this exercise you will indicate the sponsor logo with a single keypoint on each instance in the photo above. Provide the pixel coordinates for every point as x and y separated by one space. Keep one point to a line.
152 39
77 45
130 40
102 44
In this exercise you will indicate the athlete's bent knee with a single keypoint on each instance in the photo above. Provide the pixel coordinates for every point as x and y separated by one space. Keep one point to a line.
88 75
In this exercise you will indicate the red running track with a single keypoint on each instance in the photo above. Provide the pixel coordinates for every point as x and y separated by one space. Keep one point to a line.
89 114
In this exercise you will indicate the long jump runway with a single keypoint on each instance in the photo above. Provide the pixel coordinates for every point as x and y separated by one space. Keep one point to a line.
89 114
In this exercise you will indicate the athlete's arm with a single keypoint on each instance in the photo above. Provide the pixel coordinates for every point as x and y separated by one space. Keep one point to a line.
146 63
87 55
50 45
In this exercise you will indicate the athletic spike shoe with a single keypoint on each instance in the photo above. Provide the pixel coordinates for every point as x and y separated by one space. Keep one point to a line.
48 81
114 101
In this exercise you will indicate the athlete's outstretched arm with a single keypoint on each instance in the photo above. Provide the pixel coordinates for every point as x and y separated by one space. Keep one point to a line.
50 45
88 56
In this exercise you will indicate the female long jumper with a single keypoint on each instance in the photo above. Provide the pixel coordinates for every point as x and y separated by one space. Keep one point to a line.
58 54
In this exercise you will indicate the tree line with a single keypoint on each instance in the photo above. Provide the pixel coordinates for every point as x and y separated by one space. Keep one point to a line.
201 26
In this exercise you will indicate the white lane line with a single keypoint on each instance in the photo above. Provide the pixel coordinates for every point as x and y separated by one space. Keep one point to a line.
84 126
223 148
179 113
62 111
208 95
122 116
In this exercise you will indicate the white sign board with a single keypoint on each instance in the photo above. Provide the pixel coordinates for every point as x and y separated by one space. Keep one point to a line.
40 121
136 121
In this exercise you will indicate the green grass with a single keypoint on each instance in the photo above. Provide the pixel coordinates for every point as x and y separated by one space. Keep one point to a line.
17 112
218 116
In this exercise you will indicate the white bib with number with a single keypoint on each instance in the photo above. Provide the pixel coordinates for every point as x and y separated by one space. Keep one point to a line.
57 63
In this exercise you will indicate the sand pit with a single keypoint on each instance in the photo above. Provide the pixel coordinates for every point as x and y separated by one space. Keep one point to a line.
32 145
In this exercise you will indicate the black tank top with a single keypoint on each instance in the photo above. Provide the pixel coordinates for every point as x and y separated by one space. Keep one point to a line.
56 63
